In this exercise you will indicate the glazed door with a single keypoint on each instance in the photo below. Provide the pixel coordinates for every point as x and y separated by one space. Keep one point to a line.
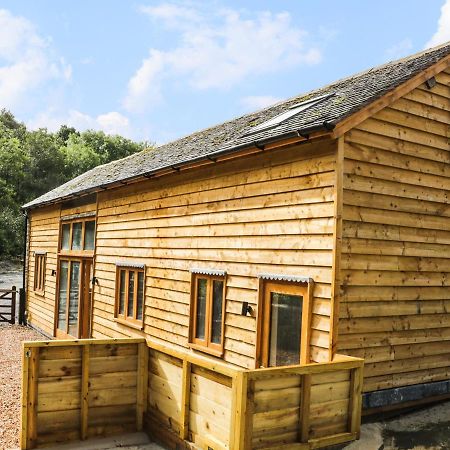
284 323
74 298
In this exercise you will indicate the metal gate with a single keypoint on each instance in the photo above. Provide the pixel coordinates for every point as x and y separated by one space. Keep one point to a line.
8 305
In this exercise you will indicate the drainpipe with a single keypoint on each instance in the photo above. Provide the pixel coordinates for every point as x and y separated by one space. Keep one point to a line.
22 295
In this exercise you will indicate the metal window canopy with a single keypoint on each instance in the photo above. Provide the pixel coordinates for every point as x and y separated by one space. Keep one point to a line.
79 216
132 265
40 252
288 278
213 272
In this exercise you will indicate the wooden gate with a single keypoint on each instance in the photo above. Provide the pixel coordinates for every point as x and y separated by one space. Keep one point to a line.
8 305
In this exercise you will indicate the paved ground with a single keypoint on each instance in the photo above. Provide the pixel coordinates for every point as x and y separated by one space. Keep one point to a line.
424 429
10 275
132 441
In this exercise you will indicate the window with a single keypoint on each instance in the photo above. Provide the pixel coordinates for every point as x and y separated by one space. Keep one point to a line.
39 271
284 321
291 112
130 295
208 311
78 235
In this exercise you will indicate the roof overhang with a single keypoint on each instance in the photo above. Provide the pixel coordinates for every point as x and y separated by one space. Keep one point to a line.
316 132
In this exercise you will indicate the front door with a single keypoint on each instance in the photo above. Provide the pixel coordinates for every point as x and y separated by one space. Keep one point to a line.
74 298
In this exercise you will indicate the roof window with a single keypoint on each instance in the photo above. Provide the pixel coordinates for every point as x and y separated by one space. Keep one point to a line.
291 112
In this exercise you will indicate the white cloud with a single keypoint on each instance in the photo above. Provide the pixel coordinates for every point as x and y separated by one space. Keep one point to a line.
218 49
443 31
144 88
254 102
400 49
111 123
26 60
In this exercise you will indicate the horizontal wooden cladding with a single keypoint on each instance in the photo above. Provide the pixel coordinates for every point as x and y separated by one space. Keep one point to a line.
290 406
79 389
395 265
44 231
274 164
233 219
385 232
400 147
195 403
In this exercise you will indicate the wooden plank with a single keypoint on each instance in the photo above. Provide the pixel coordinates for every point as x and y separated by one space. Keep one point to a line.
84 409
33 367
337 244
242 427
142 384
24 406
185 400
355 403
305 406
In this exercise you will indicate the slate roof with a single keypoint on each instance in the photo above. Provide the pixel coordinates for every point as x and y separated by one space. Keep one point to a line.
350 95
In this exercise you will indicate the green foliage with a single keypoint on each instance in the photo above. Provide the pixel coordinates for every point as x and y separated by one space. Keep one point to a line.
34 162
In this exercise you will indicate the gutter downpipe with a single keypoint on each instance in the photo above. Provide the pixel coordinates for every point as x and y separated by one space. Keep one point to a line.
22 292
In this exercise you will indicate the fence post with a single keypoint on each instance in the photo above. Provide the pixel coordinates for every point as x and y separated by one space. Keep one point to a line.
244 404
13 305
185 399
142 384
305 403
30 373
355 403
84 410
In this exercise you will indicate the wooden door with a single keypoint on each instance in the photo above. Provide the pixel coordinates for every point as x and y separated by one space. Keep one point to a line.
73 309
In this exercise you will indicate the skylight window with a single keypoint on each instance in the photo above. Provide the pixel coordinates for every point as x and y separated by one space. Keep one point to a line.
291 112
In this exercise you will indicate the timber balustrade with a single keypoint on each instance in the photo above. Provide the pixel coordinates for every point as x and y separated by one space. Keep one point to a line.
85 388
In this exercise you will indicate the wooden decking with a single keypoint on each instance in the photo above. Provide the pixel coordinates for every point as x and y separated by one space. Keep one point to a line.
73 390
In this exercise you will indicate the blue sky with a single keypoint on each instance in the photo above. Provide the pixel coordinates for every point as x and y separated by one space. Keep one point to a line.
159 70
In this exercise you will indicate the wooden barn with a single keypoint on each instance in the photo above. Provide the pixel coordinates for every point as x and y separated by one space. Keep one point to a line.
261 260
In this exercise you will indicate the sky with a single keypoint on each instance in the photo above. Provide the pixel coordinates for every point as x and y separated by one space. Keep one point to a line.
156 70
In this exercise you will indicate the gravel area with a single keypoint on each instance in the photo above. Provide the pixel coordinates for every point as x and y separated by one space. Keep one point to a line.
11 337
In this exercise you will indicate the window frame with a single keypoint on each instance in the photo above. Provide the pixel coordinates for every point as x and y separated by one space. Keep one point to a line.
206 345
124 319
289 287
40 264
77 252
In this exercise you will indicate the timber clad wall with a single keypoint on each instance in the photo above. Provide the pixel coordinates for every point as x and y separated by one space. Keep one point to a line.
395 265
268 213
44 234
44 229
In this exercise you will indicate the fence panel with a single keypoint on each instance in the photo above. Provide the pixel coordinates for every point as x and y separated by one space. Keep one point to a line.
83 388
74 390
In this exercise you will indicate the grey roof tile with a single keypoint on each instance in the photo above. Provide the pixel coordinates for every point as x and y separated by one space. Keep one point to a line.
351 95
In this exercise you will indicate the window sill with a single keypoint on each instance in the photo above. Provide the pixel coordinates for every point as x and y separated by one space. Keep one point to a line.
204 349
40 293
76 253
128 323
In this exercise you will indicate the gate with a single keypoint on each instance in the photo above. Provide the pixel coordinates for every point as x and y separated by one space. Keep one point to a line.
8 305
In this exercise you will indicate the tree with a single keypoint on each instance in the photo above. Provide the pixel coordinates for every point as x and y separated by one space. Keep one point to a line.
34 162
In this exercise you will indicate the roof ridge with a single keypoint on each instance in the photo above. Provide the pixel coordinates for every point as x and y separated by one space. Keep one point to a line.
353 93
311 91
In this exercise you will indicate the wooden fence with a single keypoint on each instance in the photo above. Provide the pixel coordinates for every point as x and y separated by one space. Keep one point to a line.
78 389
214 406
8 305
84 388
